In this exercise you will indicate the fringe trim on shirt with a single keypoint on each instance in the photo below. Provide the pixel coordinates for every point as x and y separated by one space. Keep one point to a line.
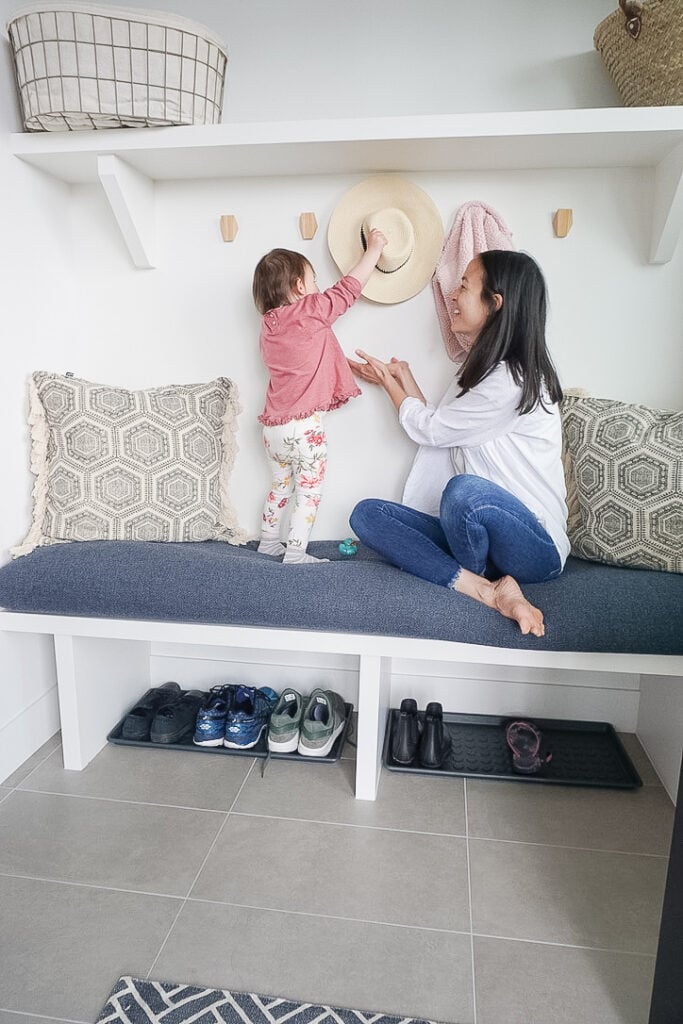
334 403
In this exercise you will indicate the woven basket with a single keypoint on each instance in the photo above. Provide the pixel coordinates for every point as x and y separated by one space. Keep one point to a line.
81 66
642 48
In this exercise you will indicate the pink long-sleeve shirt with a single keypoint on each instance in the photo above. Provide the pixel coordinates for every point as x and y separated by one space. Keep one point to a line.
308 370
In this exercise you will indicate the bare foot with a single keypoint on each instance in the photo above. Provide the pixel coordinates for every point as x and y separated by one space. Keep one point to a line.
505 596
509 600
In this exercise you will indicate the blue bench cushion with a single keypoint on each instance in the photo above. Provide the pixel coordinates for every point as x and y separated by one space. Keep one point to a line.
591 607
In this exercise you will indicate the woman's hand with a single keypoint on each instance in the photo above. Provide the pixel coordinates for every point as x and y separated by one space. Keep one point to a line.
376 372
367 372
395 377
401 372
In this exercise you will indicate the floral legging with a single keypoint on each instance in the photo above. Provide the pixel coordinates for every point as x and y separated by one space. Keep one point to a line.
297 452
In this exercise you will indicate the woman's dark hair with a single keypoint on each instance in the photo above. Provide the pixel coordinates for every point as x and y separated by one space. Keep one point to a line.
275 278
515 333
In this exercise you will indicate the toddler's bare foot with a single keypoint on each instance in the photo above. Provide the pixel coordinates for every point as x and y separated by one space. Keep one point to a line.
509 600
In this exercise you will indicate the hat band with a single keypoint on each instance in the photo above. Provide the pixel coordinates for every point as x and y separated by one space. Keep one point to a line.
399 267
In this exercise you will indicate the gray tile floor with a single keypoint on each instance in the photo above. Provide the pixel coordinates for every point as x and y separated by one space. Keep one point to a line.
456 900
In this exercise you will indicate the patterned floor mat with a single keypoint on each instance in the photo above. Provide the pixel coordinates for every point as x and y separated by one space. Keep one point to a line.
134 1001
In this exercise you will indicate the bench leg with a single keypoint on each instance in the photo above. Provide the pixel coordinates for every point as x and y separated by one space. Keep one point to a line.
373 705
97 680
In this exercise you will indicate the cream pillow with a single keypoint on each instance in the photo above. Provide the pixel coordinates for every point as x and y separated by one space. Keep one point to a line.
114 464
624 469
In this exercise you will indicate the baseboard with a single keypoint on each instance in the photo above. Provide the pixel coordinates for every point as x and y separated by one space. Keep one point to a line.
27 731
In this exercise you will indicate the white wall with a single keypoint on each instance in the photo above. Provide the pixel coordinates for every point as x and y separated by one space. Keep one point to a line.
295 59
616 321
36 285
71 299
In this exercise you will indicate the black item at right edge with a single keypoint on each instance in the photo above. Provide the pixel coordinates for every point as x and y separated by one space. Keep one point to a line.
667 992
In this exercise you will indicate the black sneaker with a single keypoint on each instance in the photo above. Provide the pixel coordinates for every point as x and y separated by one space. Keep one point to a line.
138 721
174 720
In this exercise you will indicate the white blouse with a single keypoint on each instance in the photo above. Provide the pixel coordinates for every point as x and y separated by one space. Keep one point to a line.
483 433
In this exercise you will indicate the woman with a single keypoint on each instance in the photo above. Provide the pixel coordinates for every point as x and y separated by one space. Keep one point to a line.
486 493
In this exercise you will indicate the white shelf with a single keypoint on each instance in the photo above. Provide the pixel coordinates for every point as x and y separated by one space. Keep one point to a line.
607 137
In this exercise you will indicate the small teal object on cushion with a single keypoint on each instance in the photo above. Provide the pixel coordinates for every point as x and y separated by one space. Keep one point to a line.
348 546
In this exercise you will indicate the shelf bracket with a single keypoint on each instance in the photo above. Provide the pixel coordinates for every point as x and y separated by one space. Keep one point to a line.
131 197
667 207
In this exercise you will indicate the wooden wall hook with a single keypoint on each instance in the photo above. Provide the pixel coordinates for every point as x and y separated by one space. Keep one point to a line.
562 222
308 225
229 227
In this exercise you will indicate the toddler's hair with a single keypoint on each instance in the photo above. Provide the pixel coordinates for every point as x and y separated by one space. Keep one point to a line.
275 278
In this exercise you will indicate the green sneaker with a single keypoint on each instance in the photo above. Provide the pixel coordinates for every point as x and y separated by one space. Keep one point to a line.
285 722
323 721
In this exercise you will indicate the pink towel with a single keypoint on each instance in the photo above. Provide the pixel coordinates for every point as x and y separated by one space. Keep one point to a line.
477 228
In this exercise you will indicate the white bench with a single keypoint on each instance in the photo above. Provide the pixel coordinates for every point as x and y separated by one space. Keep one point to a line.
103 665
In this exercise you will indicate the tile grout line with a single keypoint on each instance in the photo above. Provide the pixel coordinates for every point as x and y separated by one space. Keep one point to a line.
123 800
469 901
325 917
43 1016
332 917
91 885
572 849
199 871
346 824
565 945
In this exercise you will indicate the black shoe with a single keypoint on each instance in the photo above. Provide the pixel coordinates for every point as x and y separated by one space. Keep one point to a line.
174 720
405 738
137 722
435 744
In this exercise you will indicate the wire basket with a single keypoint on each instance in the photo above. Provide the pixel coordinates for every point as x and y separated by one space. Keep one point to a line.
81 66
641 45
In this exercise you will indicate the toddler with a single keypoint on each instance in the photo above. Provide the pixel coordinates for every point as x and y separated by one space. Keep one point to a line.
309 375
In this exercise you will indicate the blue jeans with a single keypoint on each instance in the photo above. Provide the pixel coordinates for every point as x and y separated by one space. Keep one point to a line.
480 526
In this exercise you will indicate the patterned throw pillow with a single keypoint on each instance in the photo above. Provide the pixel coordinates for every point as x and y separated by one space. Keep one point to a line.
112 464
624 465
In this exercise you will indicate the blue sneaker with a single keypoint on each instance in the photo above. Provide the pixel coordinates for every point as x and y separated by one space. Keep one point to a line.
248 716
210 725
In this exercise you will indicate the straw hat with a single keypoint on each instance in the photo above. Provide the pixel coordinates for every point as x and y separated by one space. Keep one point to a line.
408 218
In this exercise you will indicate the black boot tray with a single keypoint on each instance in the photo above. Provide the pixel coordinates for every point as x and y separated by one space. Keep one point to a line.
260 750
583 753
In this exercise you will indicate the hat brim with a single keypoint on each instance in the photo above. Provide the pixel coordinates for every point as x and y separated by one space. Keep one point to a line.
376 193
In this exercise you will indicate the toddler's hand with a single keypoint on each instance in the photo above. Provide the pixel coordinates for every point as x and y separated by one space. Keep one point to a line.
364 371
375 371
375 242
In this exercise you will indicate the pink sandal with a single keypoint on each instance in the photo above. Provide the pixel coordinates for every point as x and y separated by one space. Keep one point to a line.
524 739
